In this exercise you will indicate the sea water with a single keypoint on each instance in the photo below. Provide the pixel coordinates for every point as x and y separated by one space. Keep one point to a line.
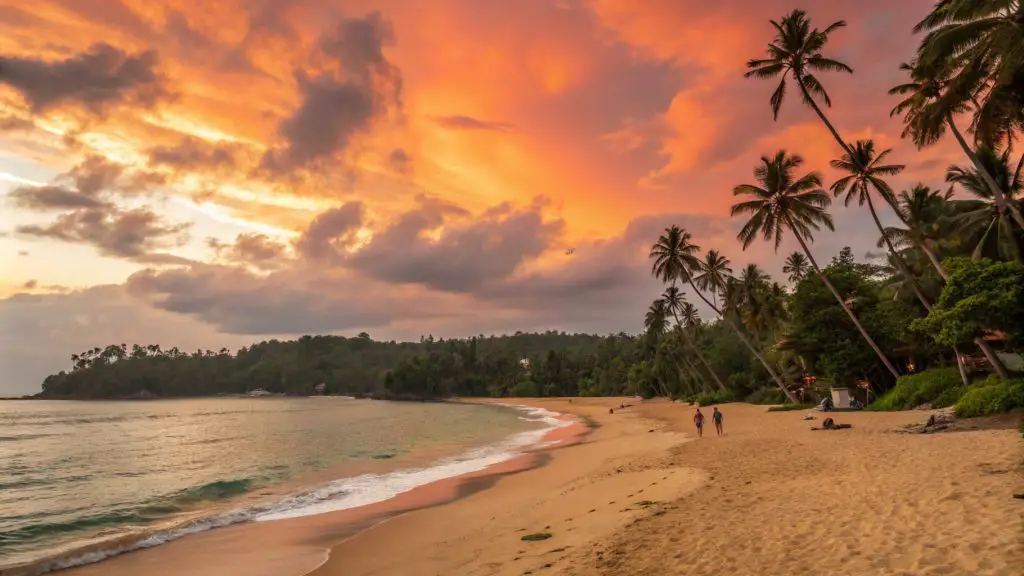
82 481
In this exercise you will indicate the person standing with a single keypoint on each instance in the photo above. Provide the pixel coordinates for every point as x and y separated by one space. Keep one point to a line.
716 417
698 419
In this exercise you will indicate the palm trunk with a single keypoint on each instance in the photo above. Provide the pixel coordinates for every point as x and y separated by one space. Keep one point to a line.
689 342
860 328
743 338
817 110
913 283
1001 204
696 375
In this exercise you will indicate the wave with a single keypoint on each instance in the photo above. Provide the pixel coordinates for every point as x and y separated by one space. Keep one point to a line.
342 494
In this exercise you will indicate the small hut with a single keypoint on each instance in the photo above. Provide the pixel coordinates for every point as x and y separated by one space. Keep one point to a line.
841 397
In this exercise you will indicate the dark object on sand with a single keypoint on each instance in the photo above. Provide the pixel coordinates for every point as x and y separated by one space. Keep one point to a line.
830 424
1019 496
536 537
611 411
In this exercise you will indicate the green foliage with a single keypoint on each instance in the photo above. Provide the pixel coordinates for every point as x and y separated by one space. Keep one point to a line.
767 396
791 407
991 396
711 398
981 296
491 366
939 387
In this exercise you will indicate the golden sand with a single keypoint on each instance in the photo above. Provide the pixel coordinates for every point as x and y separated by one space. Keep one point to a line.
641 496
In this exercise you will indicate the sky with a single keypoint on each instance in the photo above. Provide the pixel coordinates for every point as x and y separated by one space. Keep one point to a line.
212 174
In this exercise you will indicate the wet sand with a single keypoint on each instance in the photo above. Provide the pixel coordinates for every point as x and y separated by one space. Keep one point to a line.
640 495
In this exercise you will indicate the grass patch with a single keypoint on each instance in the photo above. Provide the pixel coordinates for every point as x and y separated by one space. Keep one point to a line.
990 396
790 407
940 387
536 537
766 396
712 398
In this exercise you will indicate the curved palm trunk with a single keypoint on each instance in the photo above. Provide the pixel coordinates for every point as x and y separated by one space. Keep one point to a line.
689 342
817 110
696 375
997 194
860 328
743 338
913 283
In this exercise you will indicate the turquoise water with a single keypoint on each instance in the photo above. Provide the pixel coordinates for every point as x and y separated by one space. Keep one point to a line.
75 473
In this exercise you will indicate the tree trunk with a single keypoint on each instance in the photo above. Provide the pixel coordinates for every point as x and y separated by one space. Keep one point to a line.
817 110
743 338
962 368
689 342
696 375
1001 204
860 328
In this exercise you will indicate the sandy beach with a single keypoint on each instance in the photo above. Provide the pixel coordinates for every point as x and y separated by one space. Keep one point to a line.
639 494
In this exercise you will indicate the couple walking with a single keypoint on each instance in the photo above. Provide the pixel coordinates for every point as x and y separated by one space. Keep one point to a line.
716 417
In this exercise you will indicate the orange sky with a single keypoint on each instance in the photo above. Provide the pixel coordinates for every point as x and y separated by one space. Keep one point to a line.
208 174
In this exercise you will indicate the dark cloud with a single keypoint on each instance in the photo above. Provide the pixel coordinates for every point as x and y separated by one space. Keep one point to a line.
459 122
340 104
400 161
238 302
467 255
132 234
51 197
94 175
255 249
13 124
329 229
31 284
22 252
195 154
101 77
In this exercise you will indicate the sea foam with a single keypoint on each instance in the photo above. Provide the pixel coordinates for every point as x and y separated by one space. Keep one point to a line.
342 494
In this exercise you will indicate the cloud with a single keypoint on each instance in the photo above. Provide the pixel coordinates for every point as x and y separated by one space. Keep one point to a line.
195 154
458 122
339 104
400 161
466 256
331 231
133 234
257 250
30 284
101 77
52 197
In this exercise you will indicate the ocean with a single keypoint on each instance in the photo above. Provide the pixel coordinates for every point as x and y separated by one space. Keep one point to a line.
82 481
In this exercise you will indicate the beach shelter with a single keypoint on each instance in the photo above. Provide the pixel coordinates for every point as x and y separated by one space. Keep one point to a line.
841 397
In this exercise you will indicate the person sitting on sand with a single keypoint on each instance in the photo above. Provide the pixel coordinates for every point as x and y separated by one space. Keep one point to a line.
716 417
698 419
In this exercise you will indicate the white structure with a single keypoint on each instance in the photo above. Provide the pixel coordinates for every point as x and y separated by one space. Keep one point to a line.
841 397
258 392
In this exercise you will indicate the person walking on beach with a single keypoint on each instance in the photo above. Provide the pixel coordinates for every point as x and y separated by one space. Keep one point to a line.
698 419
716 417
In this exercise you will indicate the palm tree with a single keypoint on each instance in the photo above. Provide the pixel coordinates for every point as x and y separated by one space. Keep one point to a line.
796 266
675 302
782 202
674 260
796 50
689 315
930 106
993 234
656 319
977 45
714 270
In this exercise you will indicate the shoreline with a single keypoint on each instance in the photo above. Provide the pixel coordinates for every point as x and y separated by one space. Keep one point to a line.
330 526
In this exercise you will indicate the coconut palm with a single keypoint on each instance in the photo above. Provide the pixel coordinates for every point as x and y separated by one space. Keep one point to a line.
675 259
713 271
993 235
931 104
783 202
689 315
675 302
796 266
656 319
796 51
977 45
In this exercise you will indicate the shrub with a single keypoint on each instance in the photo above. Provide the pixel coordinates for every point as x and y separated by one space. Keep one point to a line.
937 384
990 396
716 397
767 396
790 407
